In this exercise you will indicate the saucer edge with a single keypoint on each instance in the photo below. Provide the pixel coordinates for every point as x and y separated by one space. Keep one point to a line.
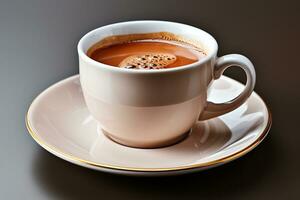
120 169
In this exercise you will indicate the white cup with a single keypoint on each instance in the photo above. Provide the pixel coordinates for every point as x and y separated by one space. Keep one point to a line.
154 108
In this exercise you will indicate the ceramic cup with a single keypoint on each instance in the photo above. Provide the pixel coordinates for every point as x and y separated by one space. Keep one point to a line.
155 108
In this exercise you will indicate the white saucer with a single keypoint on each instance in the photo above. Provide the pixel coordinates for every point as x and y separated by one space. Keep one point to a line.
59 121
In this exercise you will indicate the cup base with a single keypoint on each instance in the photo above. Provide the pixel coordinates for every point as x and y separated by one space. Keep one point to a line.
170 142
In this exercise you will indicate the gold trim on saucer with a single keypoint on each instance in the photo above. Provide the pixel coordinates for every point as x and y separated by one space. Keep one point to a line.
115 167
83 162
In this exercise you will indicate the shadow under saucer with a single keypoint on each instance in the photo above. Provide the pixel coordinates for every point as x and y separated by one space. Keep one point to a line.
64 180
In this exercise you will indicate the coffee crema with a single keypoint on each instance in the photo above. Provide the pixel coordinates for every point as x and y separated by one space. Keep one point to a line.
145 51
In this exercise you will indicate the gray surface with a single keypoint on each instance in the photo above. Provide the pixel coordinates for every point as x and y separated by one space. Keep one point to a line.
38 47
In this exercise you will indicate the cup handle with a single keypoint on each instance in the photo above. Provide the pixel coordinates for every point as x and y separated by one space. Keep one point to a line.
216 109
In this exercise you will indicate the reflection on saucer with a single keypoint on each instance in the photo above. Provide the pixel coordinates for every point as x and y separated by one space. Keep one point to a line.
60 122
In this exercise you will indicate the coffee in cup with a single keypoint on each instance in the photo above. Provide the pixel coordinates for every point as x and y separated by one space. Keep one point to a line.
145 51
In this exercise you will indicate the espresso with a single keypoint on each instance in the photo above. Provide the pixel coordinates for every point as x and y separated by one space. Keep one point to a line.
145 53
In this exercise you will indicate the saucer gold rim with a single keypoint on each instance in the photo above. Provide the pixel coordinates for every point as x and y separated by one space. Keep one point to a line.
220 161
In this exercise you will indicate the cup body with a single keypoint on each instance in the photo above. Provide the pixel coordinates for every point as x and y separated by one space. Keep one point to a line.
146 108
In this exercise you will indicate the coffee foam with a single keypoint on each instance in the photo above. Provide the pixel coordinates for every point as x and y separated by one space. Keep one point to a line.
148 61
166 36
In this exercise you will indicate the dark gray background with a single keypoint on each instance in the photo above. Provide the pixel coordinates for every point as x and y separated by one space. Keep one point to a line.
38 47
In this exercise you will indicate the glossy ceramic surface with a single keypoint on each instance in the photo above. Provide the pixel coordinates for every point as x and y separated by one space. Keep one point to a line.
59 121
127 102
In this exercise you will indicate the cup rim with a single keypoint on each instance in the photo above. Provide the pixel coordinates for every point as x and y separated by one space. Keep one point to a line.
87 59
